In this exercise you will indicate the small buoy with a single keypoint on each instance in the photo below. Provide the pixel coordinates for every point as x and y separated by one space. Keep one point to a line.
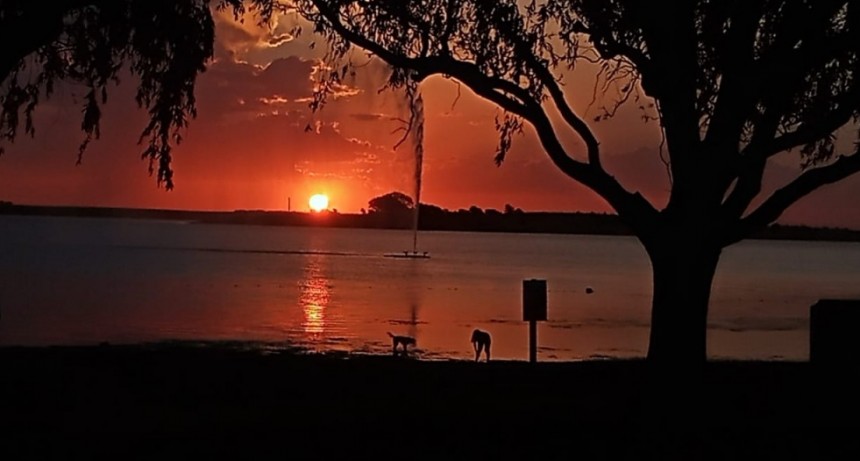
589 290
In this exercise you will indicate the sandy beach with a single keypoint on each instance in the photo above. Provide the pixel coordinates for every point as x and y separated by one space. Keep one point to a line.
172 401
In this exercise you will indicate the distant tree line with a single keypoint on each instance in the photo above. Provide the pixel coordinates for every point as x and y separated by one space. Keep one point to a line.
394 211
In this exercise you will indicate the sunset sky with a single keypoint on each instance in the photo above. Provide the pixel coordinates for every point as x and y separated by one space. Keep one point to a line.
248 148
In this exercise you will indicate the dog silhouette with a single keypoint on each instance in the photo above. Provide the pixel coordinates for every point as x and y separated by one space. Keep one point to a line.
403 341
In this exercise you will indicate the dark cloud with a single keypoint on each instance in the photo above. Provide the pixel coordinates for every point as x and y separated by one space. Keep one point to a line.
236 38
372 117
229 87
287 77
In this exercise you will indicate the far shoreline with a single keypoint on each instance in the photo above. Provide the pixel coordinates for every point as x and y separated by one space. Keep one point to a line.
489 221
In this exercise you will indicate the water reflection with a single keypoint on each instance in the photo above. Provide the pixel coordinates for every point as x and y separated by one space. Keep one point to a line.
314 322
413 295
314 296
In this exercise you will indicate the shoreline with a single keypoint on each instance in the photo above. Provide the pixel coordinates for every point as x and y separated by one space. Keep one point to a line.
134 402
531 222
265 347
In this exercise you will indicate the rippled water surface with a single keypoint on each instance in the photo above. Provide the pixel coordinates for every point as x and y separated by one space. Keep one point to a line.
84 281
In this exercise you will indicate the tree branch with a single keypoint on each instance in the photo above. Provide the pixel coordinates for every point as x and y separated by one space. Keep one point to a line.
808 132
575 122
779 201
605 43
749 165
736 96
784 70
754 156
514 99
786 65
747 187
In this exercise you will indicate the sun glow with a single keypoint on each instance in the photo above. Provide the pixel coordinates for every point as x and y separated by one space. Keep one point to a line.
318 202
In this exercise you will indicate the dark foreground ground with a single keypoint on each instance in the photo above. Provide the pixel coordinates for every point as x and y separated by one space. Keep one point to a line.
170 402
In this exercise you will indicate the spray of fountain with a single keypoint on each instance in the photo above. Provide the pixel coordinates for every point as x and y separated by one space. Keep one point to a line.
414 134
417 135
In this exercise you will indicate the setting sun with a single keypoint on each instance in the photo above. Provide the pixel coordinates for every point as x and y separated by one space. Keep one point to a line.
318 202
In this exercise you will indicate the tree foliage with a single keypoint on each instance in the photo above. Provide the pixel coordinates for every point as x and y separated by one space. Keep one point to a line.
393 203
163 44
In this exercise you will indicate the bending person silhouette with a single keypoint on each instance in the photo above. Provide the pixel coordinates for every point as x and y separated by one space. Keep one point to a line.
481 343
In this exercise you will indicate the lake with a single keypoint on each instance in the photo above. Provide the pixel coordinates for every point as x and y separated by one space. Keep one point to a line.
86 281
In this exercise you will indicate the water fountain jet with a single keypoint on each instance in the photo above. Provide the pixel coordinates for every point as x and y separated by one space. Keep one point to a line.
415 134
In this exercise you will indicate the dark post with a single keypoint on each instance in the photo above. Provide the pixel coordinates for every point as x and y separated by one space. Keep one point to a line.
533 341
534 310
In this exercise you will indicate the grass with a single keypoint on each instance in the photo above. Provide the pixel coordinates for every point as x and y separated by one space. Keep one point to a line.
183 401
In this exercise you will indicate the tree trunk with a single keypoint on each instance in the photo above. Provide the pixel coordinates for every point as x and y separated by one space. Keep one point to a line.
683 272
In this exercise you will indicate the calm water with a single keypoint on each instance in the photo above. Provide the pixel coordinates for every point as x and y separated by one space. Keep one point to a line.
83 281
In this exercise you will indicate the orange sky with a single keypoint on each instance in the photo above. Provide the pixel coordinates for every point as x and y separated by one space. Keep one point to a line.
248 148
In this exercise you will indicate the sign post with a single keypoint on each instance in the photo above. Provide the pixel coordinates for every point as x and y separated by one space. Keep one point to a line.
534 310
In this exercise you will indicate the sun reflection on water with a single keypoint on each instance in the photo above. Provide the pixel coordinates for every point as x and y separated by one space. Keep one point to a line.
314 297
314 322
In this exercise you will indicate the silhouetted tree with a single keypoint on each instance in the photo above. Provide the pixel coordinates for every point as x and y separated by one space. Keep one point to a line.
392 210
164 44
509 209
432 213
732 83
391 203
